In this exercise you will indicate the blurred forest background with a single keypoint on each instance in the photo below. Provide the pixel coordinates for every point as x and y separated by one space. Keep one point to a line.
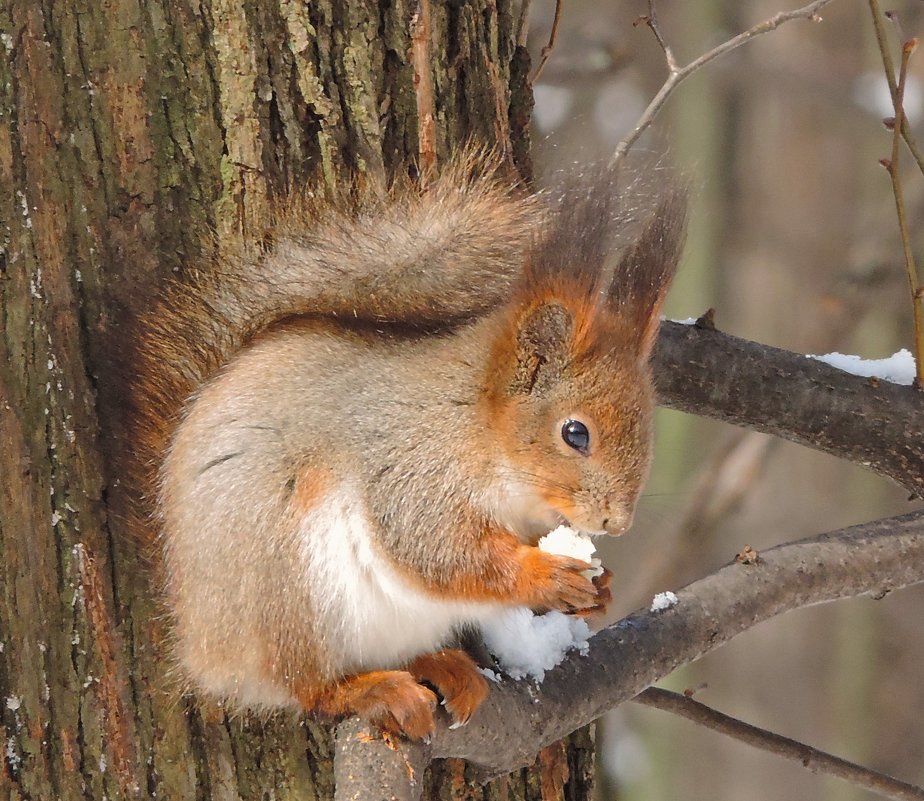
794 241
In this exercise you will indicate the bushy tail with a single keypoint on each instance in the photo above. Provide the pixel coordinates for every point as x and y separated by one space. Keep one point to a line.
419 259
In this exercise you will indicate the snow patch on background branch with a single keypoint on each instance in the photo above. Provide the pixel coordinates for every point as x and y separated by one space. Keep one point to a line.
897 368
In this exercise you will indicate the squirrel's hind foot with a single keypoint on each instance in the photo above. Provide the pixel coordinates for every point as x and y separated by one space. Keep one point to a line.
390 699
457 679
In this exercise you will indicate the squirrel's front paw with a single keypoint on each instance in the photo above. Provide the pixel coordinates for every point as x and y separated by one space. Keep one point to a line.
559 582
604 595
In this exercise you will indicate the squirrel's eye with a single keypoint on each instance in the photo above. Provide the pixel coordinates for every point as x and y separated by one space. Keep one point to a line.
576 435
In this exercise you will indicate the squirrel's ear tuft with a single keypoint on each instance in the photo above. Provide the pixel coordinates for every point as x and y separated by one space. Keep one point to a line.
645 270
541 356
577 237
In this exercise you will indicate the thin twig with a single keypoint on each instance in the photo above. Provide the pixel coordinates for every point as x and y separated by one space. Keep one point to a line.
677 75
547 50
523 23
811 758
651 20
894 169
888 64
423 90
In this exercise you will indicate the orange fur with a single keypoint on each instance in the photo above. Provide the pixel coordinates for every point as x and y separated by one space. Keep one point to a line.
457 678
310 487
370 400
498 567
390 699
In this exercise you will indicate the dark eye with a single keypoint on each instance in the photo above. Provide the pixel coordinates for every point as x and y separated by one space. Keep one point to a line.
576 435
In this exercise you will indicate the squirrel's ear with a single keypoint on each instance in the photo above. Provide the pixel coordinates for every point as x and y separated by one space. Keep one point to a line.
542 334
645 271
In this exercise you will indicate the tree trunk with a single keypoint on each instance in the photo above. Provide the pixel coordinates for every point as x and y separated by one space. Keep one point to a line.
128 131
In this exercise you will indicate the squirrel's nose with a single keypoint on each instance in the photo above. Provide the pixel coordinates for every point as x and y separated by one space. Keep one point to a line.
617 522
613 528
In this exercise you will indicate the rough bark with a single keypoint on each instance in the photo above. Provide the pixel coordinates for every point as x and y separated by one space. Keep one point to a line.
873 423
128 131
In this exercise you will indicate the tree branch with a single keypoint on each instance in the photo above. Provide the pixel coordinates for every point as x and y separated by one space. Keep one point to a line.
547 50
810 758
518 718
874 423
365 764
676 75
892 165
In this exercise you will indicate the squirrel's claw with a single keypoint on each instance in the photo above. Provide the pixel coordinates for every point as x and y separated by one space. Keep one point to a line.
456 678
604 579
408 712
604 596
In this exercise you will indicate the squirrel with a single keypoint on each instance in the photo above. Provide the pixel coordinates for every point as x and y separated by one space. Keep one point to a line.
353 432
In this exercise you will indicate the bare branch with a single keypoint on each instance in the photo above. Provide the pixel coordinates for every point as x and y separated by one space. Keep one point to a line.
810 758
519 718
547 50
523 24
894 169
676 75
873 423
889 66
651 20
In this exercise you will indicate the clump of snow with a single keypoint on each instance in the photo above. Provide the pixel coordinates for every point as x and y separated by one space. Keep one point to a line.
663 600
684 321
565 541
13 703
526 644
490 675
897 368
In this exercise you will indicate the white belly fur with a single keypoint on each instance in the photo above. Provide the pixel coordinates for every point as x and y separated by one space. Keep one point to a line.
376 618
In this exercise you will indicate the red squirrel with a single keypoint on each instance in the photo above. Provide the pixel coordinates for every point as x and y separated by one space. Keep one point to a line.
355 432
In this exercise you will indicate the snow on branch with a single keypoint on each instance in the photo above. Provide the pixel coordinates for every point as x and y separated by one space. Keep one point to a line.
519 718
